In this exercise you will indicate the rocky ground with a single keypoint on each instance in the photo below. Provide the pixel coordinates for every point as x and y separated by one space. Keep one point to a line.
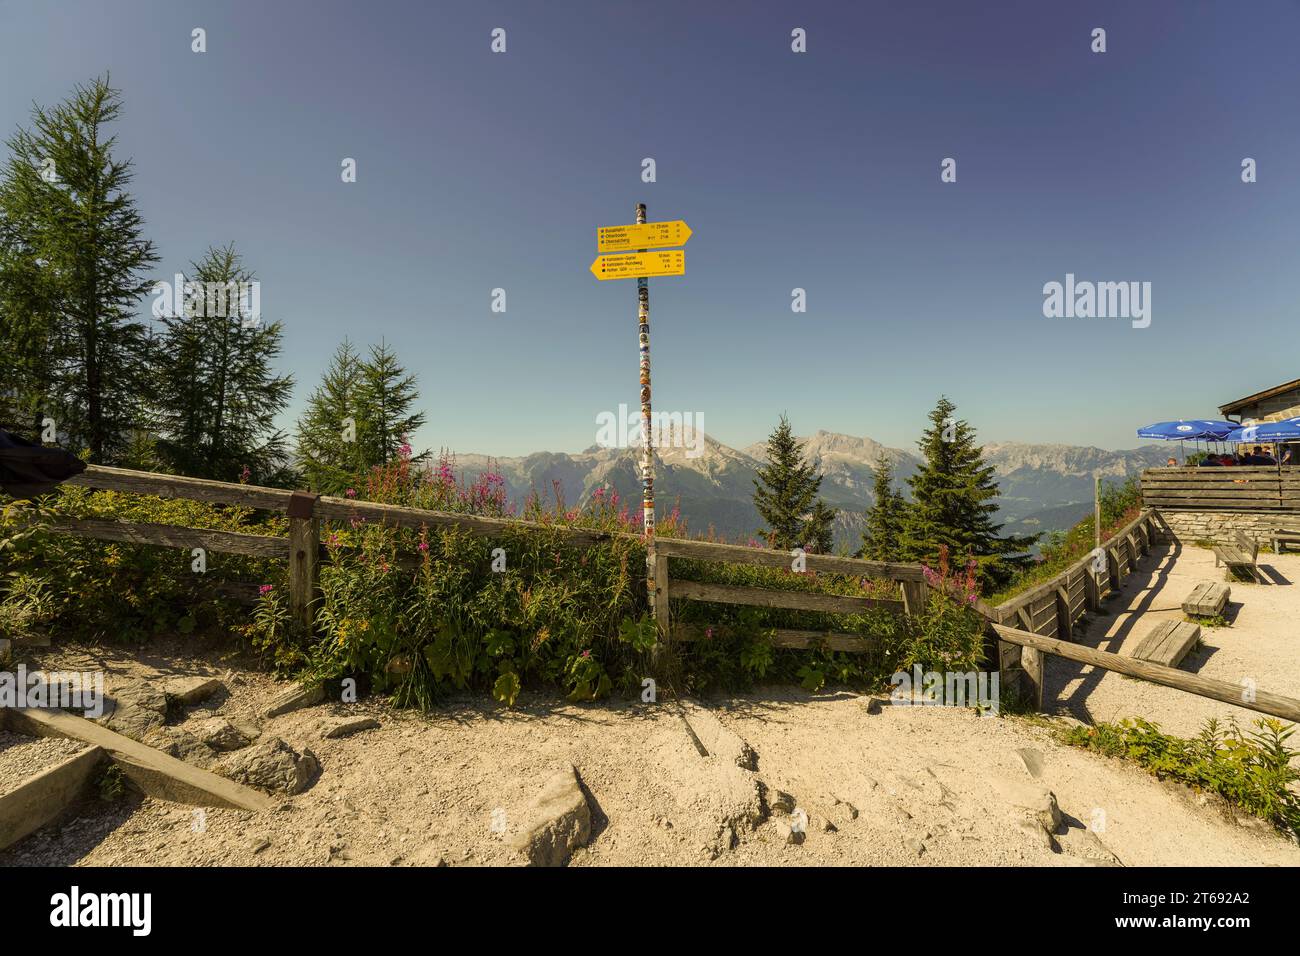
778 777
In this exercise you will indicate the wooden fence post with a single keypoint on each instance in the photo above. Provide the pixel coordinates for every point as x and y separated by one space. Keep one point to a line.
915 594
304 558
1064 626
1031 664
1112 569
659 599
1091 589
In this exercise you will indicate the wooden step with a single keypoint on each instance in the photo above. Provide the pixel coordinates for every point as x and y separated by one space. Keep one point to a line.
1208 599
1168 642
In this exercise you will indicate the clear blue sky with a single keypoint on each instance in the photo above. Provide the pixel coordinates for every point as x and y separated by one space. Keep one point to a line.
479 170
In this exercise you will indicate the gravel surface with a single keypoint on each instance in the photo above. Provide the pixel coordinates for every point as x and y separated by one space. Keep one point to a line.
22 758
838 780
1260 645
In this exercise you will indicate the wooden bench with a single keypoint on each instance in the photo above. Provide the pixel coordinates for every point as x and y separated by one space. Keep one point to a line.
1168 642
1281 537
1242 553
1208 599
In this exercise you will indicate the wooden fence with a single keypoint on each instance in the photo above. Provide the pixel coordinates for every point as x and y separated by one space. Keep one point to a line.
911 578
302 548
1230 488
1025 628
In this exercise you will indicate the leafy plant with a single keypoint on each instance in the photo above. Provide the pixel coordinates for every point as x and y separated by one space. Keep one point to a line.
1253 771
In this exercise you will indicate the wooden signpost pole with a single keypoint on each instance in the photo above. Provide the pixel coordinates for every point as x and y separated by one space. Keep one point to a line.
647 445
647 260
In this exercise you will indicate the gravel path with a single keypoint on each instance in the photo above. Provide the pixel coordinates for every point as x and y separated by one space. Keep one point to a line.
21 758
878 785
1262 643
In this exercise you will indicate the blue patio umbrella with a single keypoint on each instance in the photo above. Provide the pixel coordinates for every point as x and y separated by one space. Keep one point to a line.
1270 432
1188 429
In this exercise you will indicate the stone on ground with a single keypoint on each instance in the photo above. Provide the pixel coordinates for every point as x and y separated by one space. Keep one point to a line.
555 823
220 734
271 764
180 744
192 690
718 739
1026 795
137 708
293 698
346 726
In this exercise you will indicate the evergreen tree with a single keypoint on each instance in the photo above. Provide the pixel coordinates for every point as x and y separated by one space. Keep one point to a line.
884 520
785 494
72 264
329 453
218 397
387 394
952 503
819 532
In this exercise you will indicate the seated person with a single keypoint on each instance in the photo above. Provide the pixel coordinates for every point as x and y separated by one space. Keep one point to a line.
1210 461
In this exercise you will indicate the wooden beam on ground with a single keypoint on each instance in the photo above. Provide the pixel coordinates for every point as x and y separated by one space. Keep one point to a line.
153 771
791 600
1263 702
45 797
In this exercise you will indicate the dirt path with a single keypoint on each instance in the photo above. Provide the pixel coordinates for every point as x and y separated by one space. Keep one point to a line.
879 785
1262 643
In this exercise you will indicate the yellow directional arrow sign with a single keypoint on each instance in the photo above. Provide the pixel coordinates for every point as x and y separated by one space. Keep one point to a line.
647 235
633 265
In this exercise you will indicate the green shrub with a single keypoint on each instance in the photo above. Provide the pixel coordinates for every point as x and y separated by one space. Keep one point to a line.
118 592
418 613
1252 771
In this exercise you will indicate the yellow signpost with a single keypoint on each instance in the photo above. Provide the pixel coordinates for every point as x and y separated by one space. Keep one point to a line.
646 235
637 265
642 265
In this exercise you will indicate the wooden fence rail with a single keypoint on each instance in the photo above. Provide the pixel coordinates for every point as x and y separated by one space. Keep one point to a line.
1262 702
303 549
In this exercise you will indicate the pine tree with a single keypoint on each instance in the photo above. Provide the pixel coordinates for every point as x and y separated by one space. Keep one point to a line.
952 502
329 453
218 397
884 519
819 532
785 494
387 394
72 264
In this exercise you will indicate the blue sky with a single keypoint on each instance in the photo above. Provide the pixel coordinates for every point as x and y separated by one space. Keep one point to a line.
820 171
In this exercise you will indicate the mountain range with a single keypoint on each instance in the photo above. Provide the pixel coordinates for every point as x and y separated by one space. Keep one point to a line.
1042 487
